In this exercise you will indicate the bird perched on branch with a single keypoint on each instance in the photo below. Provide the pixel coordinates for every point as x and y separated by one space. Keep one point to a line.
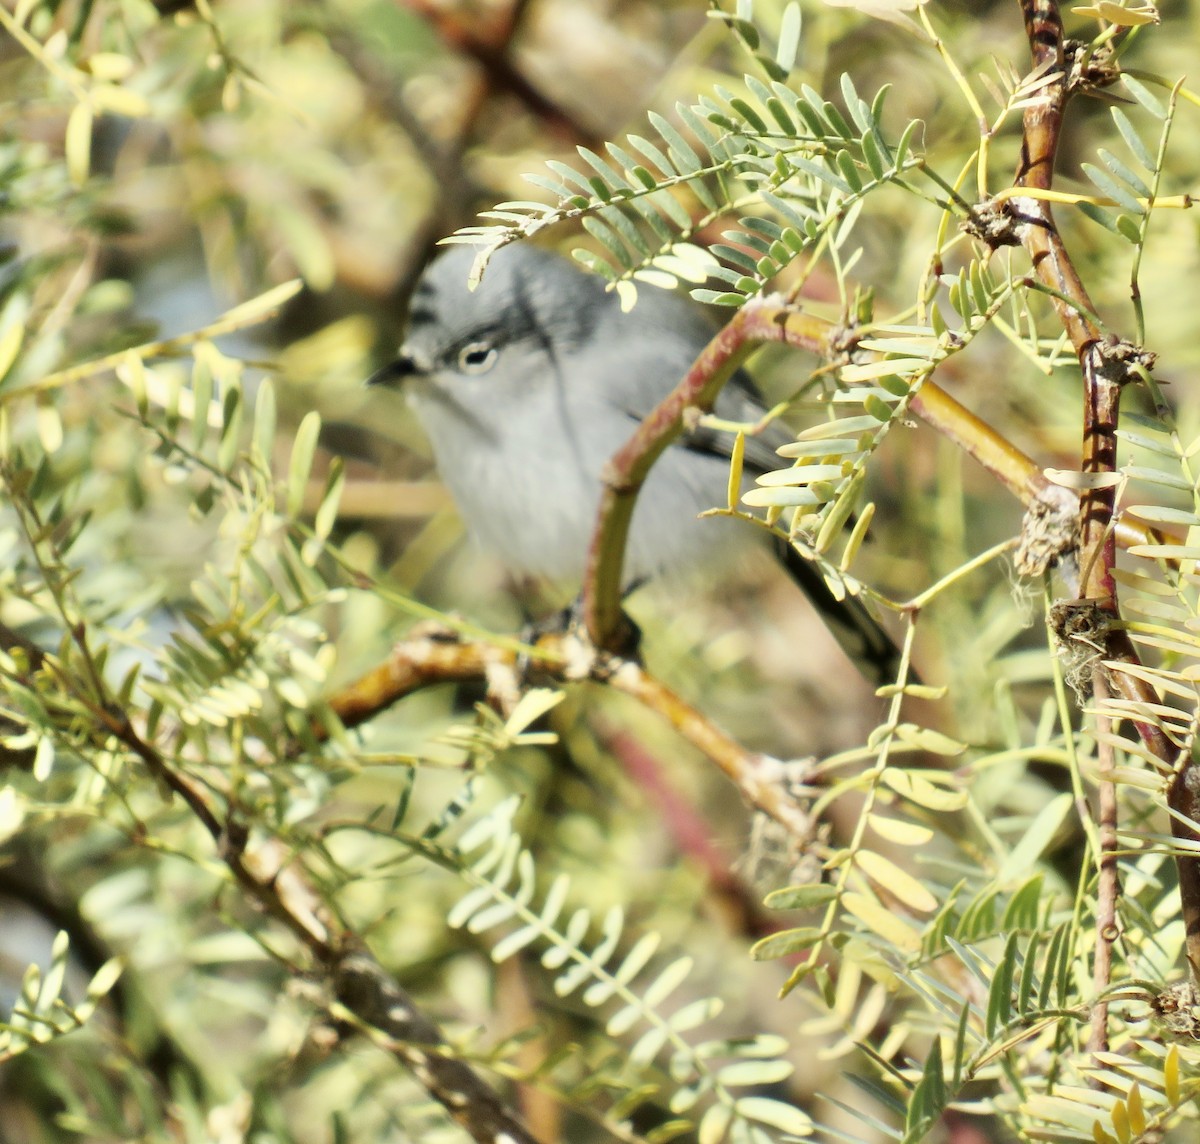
527 387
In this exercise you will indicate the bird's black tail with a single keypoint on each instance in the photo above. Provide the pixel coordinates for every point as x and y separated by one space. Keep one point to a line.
860 635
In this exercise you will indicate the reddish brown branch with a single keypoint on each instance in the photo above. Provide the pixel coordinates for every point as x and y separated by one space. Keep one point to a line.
490 48
1183 797
624 474
1104 363
691 834
1043 121
430 658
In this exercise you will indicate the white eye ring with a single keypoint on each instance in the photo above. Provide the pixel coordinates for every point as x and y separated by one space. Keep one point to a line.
477 357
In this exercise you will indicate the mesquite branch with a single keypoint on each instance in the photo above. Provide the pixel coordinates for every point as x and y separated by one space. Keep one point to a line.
1104 362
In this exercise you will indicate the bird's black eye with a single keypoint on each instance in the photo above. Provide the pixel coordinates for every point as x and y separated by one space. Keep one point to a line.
477 357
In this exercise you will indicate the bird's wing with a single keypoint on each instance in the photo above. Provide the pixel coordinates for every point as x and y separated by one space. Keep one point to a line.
738 402
670 333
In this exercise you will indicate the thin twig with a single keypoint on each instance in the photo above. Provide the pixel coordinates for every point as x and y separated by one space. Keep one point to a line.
432 657
251 313
1108 885
690 832
371 994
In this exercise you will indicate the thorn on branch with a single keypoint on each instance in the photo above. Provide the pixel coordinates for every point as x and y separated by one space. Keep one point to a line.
1081 630
1090 70
1125 362
1049 531
992 222
843 345
1178 1008
777 856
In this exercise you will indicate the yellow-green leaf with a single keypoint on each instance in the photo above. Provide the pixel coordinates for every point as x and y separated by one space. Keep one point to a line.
11 337
1118 14
928 740
1171 1075
77 143
920 790
1166 551
1137 1114
900 883
533 705
1120 1122
326 514
844 427
43 759
736 458
12 813
801 475
264 421
108 97
776 1114
882 921
110 67
1077 480
899 830
895 367
303 450
1100 1136
1035 840
715 1124
801 897
857 535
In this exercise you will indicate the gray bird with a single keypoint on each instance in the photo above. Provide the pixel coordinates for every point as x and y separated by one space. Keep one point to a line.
527 386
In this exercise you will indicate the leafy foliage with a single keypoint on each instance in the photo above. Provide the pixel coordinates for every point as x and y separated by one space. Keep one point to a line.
189 576
794 154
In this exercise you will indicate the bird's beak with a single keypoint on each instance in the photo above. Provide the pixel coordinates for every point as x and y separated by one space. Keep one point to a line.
405 365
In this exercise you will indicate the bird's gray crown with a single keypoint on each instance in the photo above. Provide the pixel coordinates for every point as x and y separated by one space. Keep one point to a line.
526 294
